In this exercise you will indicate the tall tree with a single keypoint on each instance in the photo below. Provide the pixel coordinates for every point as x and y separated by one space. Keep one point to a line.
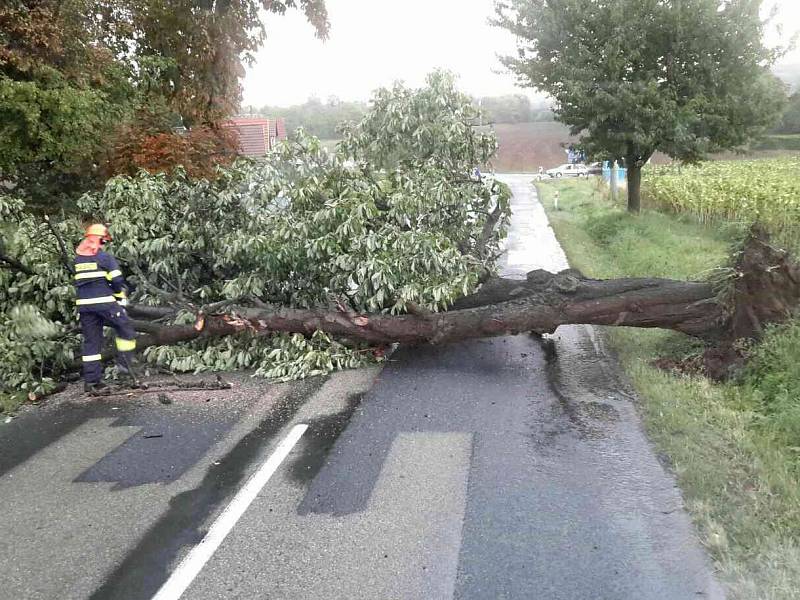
86 84
685 77
61 92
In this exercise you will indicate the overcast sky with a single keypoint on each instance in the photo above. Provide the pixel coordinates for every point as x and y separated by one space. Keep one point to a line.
375 42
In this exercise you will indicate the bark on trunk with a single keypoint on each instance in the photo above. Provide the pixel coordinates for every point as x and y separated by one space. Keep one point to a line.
503 306
764 288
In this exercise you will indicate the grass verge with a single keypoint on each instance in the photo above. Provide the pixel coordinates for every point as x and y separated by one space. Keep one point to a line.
734 447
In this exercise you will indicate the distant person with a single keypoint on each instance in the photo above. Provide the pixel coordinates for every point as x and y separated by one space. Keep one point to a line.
572 156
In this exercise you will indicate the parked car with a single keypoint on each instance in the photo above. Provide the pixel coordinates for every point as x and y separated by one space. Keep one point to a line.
595 168
568 171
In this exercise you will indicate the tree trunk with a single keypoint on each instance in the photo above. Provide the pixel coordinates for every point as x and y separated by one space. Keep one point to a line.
764 288
634 185
504 306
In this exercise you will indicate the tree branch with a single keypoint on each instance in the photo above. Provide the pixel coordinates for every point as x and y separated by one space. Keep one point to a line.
62 248
7 262
154 290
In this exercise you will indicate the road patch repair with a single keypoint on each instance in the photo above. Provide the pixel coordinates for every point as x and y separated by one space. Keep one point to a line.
514 467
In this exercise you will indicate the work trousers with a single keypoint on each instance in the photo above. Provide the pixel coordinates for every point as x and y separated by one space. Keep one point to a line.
92 321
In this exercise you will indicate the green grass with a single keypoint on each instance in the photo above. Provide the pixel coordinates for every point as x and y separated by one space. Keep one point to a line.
734 447
632 246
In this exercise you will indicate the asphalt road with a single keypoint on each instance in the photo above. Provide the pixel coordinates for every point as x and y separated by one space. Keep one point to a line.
506 468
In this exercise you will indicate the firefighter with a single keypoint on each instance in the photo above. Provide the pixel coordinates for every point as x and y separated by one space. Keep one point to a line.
101 299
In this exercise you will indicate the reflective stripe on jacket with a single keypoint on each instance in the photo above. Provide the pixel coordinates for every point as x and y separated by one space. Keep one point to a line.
98 280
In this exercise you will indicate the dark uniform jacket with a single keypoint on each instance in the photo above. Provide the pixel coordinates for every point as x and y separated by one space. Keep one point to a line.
98 281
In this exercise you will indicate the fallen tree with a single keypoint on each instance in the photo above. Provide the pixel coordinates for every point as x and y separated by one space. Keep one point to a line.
313 261
503 306
762 287
393 218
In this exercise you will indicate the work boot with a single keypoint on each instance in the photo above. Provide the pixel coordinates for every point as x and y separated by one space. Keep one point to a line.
128 379
129 383
96 389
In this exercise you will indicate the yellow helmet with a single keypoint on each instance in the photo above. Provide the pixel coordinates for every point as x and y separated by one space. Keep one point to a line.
99 230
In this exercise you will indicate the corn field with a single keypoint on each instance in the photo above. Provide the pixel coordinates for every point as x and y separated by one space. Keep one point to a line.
733 191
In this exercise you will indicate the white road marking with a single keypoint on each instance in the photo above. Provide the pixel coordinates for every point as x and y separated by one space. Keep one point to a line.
194 562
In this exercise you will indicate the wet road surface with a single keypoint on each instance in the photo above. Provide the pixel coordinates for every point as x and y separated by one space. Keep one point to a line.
506 468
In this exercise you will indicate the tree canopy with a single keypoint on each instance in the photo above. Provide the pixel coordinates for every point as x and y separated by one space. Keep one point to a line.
790 119
61 93
204 44
632 77
92 88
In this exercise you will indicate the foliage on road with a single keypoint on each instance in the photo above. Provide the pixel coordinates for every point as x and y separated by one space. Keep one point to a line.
38 337
303 228
742 191
434 127
684 78
733 446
